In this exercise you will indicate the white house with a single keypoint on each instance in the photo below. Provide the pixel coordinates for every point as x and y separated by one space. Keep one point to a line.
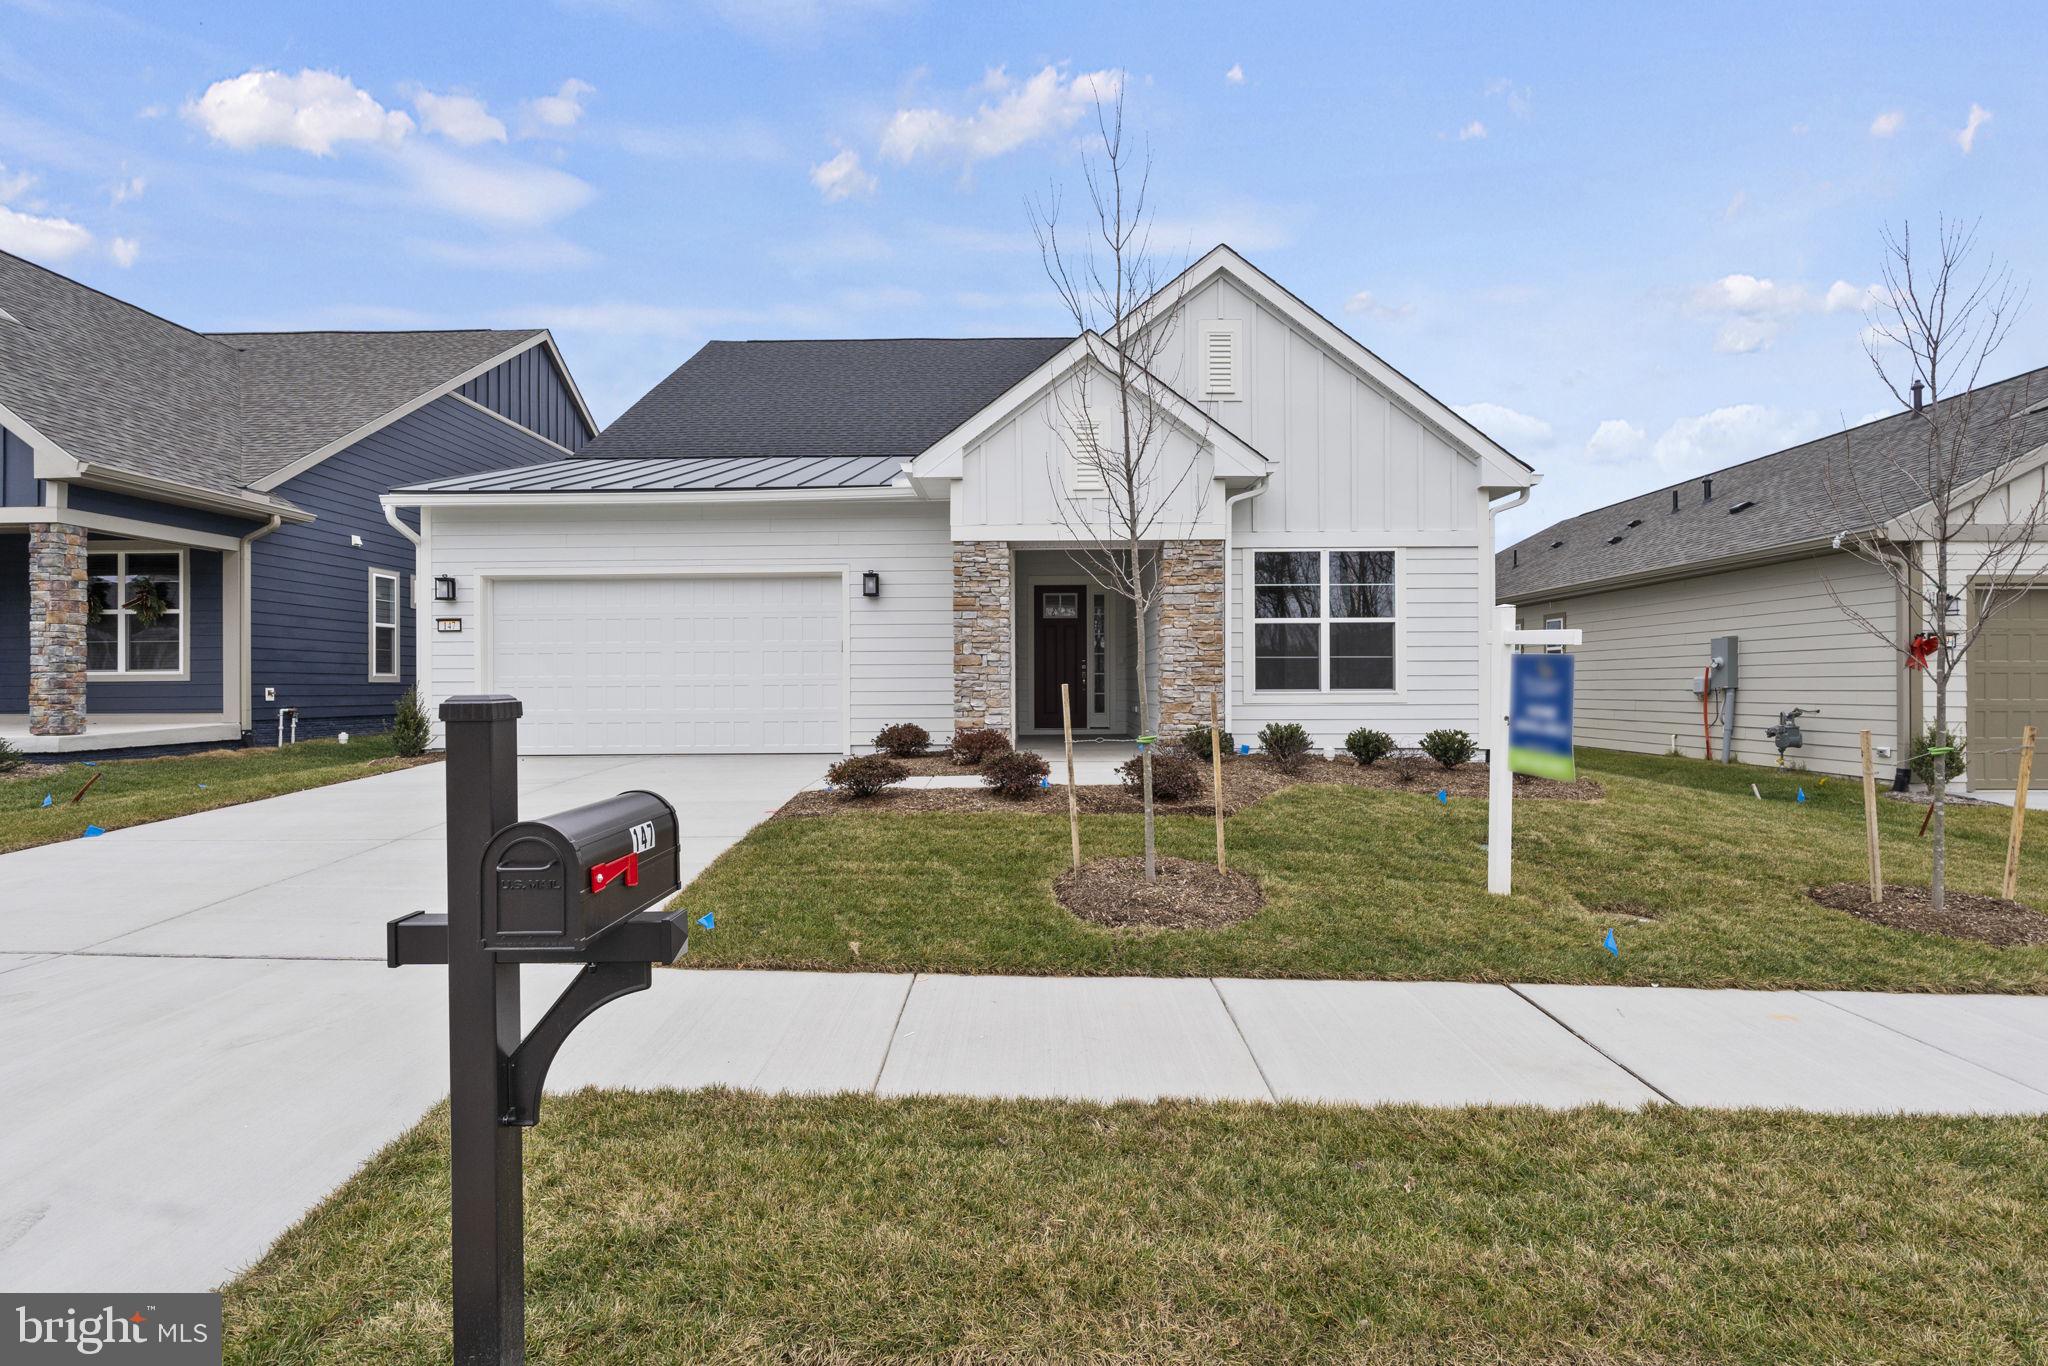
1752 552
788 545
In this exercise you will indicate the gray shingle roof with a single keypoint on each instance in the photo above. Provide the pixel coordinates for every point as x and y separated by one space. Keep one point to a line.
1848 481
585 474
883 397
119 387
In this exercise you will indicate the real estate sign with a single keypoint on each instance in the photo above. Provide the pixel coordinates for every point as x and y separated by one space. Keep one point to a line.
1540 716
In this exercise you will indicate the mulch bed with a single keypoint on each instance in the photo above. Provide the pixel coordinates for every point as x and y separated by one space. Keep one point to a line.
1246 779
1985 919
1187 895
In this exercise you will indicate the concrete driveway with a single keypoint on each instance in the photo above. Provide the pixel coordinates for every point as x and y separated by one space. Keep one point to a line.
173 1105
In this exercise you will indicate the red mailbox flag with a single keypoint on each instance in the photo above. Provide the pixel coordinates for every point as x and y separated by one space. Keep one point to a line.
603 875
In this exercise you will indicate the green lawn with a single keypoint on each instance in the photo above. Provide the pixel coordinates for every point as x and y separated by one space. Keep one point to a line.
138 791
1703 884
716 1227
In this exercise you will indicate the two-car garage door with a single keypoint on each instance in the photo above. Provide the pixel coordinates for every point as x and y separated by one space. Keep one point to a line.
713 664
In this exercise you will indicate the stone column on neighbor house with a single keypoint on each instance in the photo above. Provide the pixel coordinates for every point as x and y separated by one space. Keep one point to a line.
1190 639
56 629
983 657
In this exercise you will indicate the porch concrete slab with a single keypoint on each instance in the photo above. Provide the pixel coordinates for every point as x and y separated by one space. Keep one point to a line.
79 893
1087 1038
1776 1050
803 1032
2003 1034
168 1118
1418 1043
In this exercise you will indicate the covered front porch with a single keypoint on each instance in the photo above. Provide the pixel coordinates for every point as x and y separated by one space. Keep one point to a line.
117 639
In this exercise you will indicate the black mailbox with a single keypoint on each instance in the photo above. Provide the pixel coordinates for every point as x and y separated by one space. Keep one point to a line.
557 884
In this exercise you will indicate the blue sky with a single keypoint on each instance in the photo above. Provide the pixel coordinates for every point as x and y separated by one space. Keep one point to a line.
1632 248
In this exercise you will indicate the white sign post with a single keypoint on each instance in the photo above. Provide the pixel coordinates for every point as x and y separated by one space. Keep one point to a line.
1500 784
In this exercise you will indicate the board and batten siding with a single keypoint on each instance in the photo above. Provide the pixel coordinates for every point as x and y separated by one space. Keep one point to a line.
1794 648
310 637
531 391
899 645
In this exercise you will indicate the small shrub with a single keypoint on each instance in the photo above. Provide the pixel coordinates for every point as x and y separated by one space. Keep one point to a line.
411 730
1285 743
1175 777
972 744
10 757
1015 774
1923 762
1449 747
1196 742
1408 768
905 740
1369 746
866 774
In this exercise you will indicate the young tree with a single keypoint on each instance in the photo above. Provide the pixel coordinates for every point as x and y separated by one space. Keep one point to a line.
1113 425
1947 512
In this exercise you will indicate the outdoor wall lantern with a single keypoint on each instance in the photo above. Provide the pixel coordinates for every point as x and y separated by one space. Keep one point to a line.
444 588
871 584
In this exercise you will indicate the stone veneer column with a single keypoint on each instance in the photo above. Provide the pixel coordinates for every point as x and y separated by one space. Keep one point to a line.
56 629
984 604
1190 642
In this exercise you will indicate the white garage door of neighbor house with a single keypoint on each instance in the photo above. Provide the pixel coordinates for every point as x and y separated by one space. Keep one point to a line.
727 665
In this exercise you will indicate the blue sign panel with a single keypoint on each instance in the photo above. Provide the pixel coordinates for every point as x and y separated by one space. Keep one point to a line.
1540 717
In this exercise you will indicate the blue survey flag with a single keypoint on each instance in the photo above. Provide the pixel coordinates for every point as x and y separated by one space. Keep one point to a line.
706 921
48 798
90 831
1443 797
1610 945
1540 716
1802 794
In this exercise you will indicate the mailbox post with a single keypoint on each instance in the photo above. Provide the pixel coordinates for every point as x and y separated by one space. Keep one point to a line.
573 888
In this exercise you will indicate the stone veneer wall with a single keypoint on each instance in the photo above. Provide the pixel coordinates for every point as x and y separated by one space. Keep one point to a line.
983 656
56 629
1190 641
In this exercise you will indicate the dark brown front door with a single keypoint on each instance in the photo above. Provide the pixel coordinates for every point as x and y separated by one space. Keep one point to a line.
1059 653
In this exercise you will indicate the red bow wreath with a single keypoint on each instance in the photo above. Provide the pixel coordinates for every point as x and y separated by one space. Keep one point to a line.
1922 649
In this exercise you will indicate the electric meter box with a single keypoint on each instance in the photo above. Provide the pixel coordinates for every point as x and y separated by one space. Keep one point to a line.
1721 672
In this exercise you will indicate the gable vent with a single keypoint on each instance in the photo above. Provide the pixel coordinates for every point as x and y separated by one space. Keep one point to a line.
1084 473
1220 343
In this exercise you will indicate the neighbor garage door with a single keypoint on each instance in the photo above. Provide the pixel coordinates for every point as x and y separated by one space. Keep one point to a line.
618 665
2006 677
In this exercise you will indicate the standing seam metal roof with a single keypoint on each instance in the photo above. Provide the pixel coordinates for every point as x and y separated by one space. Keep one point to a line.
638 475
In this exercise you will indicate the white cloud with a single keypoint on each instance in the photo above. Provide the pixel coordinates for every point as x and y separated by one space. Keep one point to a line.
1615 439
1725 436
1505 425
40 238
1234 76
1471 131
126 190
14 186
1748 294
1842 295
842 177
1966 136
1887 123
521 254
313 111
1026 112
1366 303
462 119
1740 336
563 109
512 193
124 250
1758 307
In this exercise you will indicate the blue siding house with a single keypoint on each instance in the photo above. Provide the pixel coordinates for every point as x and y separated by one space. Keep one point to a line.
193 546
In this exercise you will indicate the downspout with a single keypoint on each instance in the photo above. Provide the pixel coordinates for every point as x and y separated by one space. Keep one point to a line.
246 555
1229 571
1492 707
398 524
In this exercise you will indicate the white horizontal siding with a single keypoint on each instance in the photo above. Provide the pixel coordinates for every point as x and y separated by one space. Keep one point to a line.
1439 592
1794 648
900 645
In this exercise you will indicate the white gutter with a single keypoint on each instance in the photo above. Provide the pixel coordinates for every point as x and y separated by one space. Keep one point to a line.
243 706
391 516
1229 571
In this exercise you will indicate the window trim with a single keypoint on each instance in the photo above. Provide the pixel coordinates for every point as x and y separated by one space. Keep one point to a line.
1234 329
1553 623
1323 621
396 626
121 673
